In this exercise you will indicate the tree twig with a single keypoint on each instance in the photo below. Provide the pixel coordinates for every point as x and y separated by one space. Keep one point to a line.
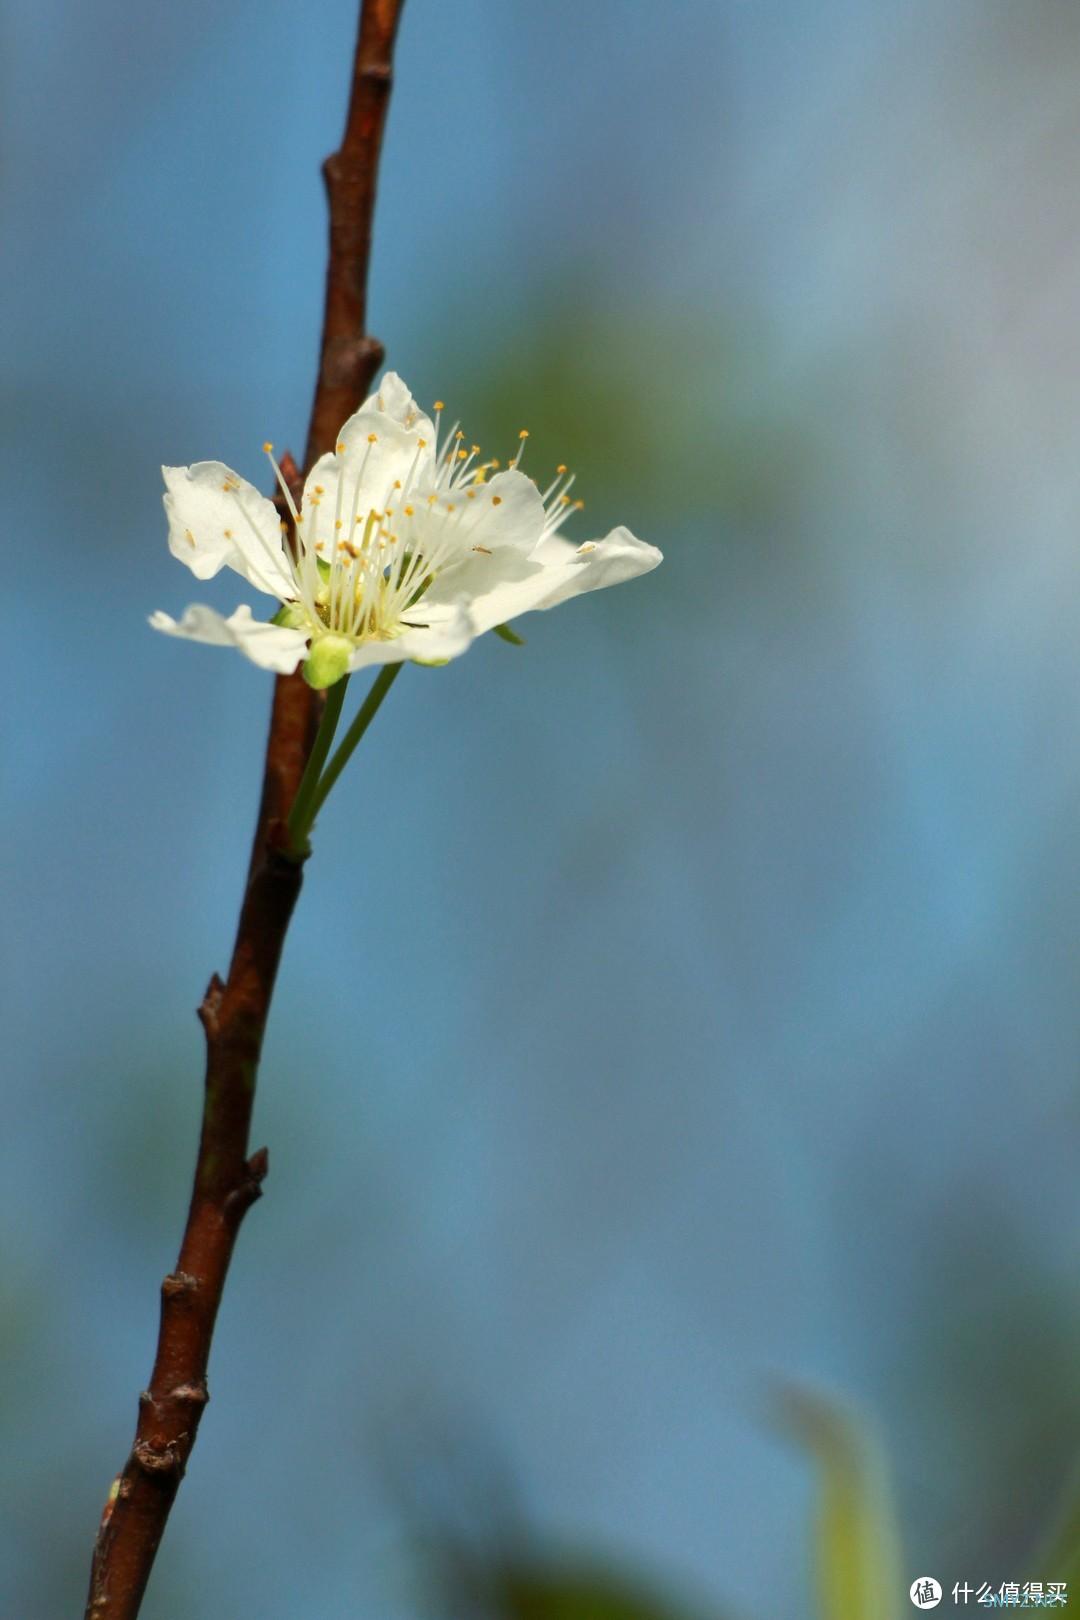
234 1012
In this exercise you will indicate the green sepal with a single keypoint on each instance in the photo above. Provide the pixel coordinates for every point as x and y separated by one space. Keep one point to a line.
430 663
328 661
324 568
504 633
290 616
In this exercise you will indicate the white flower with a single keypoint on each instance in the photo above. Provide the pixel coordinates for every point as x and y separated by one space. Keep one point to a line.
406 548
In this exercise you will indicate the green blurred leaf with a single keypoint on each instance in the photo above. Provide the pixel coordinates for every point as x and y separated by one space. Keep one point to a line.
1058 1558
504 632
570 1591
856 1540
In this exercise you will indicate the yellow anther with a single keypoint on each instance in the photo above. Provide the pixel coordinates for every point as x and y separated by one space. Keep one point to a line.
496 500
422 444
340 447
561 468
439 406
476 449
470 494
228 534
450 507
460 434
267 447
495 463
320 489
408 511
189 537
579 506
372 437
397 483
463 455
337 523
524 434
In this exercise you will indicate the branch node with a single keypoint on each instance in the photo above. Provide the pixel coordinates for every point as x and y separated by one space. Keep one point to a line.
178 1283
158 1459
281 857
190 1394
348 361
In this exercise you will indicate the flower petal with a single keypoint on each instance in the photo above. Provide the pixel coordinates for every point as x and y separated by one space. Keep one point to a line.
385 444
448 633
217 519
464 530
556 571
392 397
271 646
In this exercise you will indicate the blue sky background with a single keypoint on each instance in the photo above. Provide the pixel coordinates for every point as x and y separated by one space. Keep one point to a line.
710 1011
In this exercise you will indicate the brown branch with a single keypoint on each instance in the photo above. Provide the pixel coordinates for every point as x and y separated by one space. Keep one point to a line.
234 1013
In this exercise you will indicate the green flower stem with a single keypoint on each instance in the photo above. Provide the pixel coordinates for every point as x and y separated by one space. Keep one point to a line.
302 814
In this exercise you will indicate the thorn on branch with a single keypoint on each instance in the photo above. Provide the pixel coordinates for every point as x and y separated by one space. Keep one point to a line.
210 1005
292 476
242 1197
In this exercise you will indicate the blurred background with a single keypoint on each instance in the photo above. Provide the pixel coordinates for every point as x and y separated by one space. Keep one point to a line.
709 1019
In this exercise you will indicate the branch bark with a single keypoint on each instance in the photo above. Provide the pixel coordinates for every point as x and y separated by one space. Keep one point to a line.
228 1179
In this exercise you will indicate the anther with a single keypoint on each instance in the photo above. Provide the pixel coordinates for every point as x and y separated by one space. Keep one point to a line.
372 437
268 448
496 500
